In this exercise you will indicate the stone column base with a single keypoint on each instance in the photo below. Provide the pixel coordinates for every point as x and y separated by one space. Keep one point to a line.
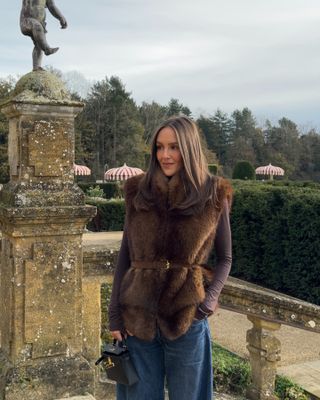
47 378
264 349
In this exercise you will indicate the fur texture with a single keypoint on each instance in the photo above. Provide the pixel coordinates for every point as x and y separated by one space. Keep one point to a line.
167 298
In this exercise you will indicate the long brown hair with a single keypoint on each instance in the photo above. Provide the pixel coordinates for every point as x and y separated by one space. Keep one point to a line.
195 176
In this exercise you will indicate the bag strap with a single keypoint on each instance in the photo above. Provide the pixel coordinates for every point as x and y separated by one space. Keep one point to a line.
122 343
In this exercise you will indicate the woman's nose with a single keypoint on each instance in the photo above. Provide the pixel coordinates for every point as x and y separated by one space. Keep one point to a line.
165 153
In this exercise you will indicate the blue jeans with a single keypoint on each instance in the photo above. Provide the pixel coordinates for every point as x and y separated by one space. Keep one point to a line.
186 364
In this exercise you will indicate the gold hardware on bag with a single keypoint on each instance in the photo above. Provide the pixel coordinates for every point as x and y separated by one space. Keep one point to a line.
167 264
108 363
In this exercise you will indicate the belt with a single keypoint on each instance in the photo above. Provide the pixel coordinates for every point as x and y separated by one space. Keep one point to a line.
162 264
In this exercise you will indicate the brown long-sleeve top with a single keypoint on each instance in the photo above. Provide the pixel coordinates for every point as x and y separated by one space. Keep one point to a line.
223 251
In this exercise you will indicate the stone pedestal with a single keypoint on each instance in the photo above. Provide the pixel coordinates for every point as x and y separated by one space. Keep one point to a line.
42 217
264 349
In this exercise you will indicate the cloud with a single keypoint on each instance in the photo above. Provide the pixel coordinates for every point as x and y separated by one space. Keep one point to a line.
209 54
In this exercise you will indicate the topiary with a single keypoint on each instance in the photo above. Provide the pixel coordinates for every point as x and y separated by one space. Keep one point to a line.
244 170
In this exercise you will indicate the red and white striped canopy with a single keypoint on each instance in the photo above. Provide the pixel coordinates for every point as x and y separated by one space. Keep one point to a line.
269 170
81 170
122 173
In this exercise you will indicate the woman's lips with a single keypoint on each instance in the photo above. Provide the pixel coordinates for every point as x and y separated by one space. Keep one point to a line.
167 165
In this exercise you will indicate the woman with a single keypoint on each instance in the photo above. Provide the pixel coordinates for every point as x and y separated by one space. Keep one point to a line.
163 292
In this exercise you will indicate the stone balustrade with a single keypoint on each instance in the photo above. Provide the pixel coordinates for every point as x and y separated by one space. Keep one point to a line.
266 309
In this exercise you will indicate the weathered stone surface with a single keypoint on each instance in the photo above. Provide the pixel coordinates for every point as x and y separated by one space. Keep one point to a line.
41 86
250 299
41 156
264 349
49 378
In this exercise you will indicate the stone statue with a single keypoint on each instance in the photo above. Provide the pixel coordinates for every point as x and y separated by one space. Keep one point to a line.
32 23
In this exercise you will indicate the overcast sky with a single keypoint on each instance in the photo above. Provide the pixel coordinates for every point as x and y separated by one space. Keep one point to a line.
227 54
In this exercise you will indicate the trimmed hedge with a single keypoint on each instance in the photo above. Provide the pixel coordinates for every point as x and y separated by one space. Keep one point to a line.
110 214
276 240
275 230
244 170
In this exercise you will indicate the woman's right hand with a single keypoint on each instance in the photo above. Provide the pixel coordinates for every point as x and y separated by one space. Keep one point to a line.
117 335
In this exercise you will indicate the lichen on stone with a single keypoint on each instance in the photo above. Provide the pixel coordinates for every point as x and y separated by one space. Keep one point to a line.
41 84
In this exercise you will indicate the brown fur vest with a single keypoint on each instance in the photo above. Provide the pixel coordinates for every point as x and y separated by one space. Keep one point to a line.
159 296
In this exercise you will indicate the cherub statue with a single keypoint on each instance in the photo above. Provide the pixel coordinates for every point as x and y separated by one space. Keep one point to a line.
33 24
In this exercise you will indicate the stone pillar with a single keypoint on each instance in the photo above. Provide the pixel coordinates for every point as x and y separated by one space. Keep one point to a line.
264 349
42 217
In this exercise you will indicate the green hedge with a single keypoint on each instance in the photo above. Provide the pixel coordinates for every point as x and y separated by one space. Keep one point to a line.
276 239
275 231
110 215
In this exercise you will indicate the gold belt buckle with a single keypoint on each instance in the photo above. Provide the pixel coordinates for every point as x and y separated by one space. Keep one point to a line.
167 264
109 363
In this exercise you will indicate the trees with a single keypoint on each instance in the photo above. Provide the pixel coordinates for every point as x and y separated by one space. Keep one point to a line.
151 116
309 161
246 141
6 86
176 108
216 130
111 129
283 145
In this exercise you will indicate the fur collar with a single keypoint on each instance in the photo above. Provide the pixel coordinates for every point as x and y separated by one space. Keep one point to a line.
168 192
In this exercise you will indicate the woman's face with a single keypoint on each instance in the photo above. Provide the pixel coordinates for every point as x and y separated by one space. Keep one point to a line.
168 152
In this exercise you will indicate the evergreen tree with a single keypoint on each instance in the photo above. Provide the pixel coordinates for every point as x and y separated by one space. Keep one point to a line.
112 121
151 116
216 130
176 108
6 87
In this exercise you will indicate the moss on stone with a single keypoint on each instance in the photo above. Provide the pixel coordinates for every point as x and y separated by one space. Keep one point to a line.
43 84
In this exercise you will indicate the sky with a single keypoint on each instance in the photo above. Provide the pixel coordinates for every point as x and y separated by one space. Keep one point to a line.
209 54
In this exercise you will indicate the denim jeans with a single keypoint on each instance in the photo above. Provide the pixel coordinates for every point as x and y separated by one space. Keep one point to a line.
185 363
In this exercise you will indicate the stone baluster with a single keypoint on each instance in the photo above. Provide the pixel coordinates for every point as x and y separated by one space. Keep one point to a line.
264 349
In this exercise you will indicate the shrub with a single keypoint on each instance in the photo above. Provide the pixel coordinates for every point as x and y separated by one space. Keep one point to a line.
95 191
244 170
111 189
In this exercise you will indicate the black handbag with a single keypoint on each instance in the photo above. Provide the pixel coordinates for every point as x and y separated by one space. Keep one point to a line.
116 362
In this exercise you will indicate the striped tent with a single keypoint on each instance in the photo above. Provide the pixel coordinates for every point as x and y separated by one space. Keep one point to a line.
269 170
81 170
121 173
